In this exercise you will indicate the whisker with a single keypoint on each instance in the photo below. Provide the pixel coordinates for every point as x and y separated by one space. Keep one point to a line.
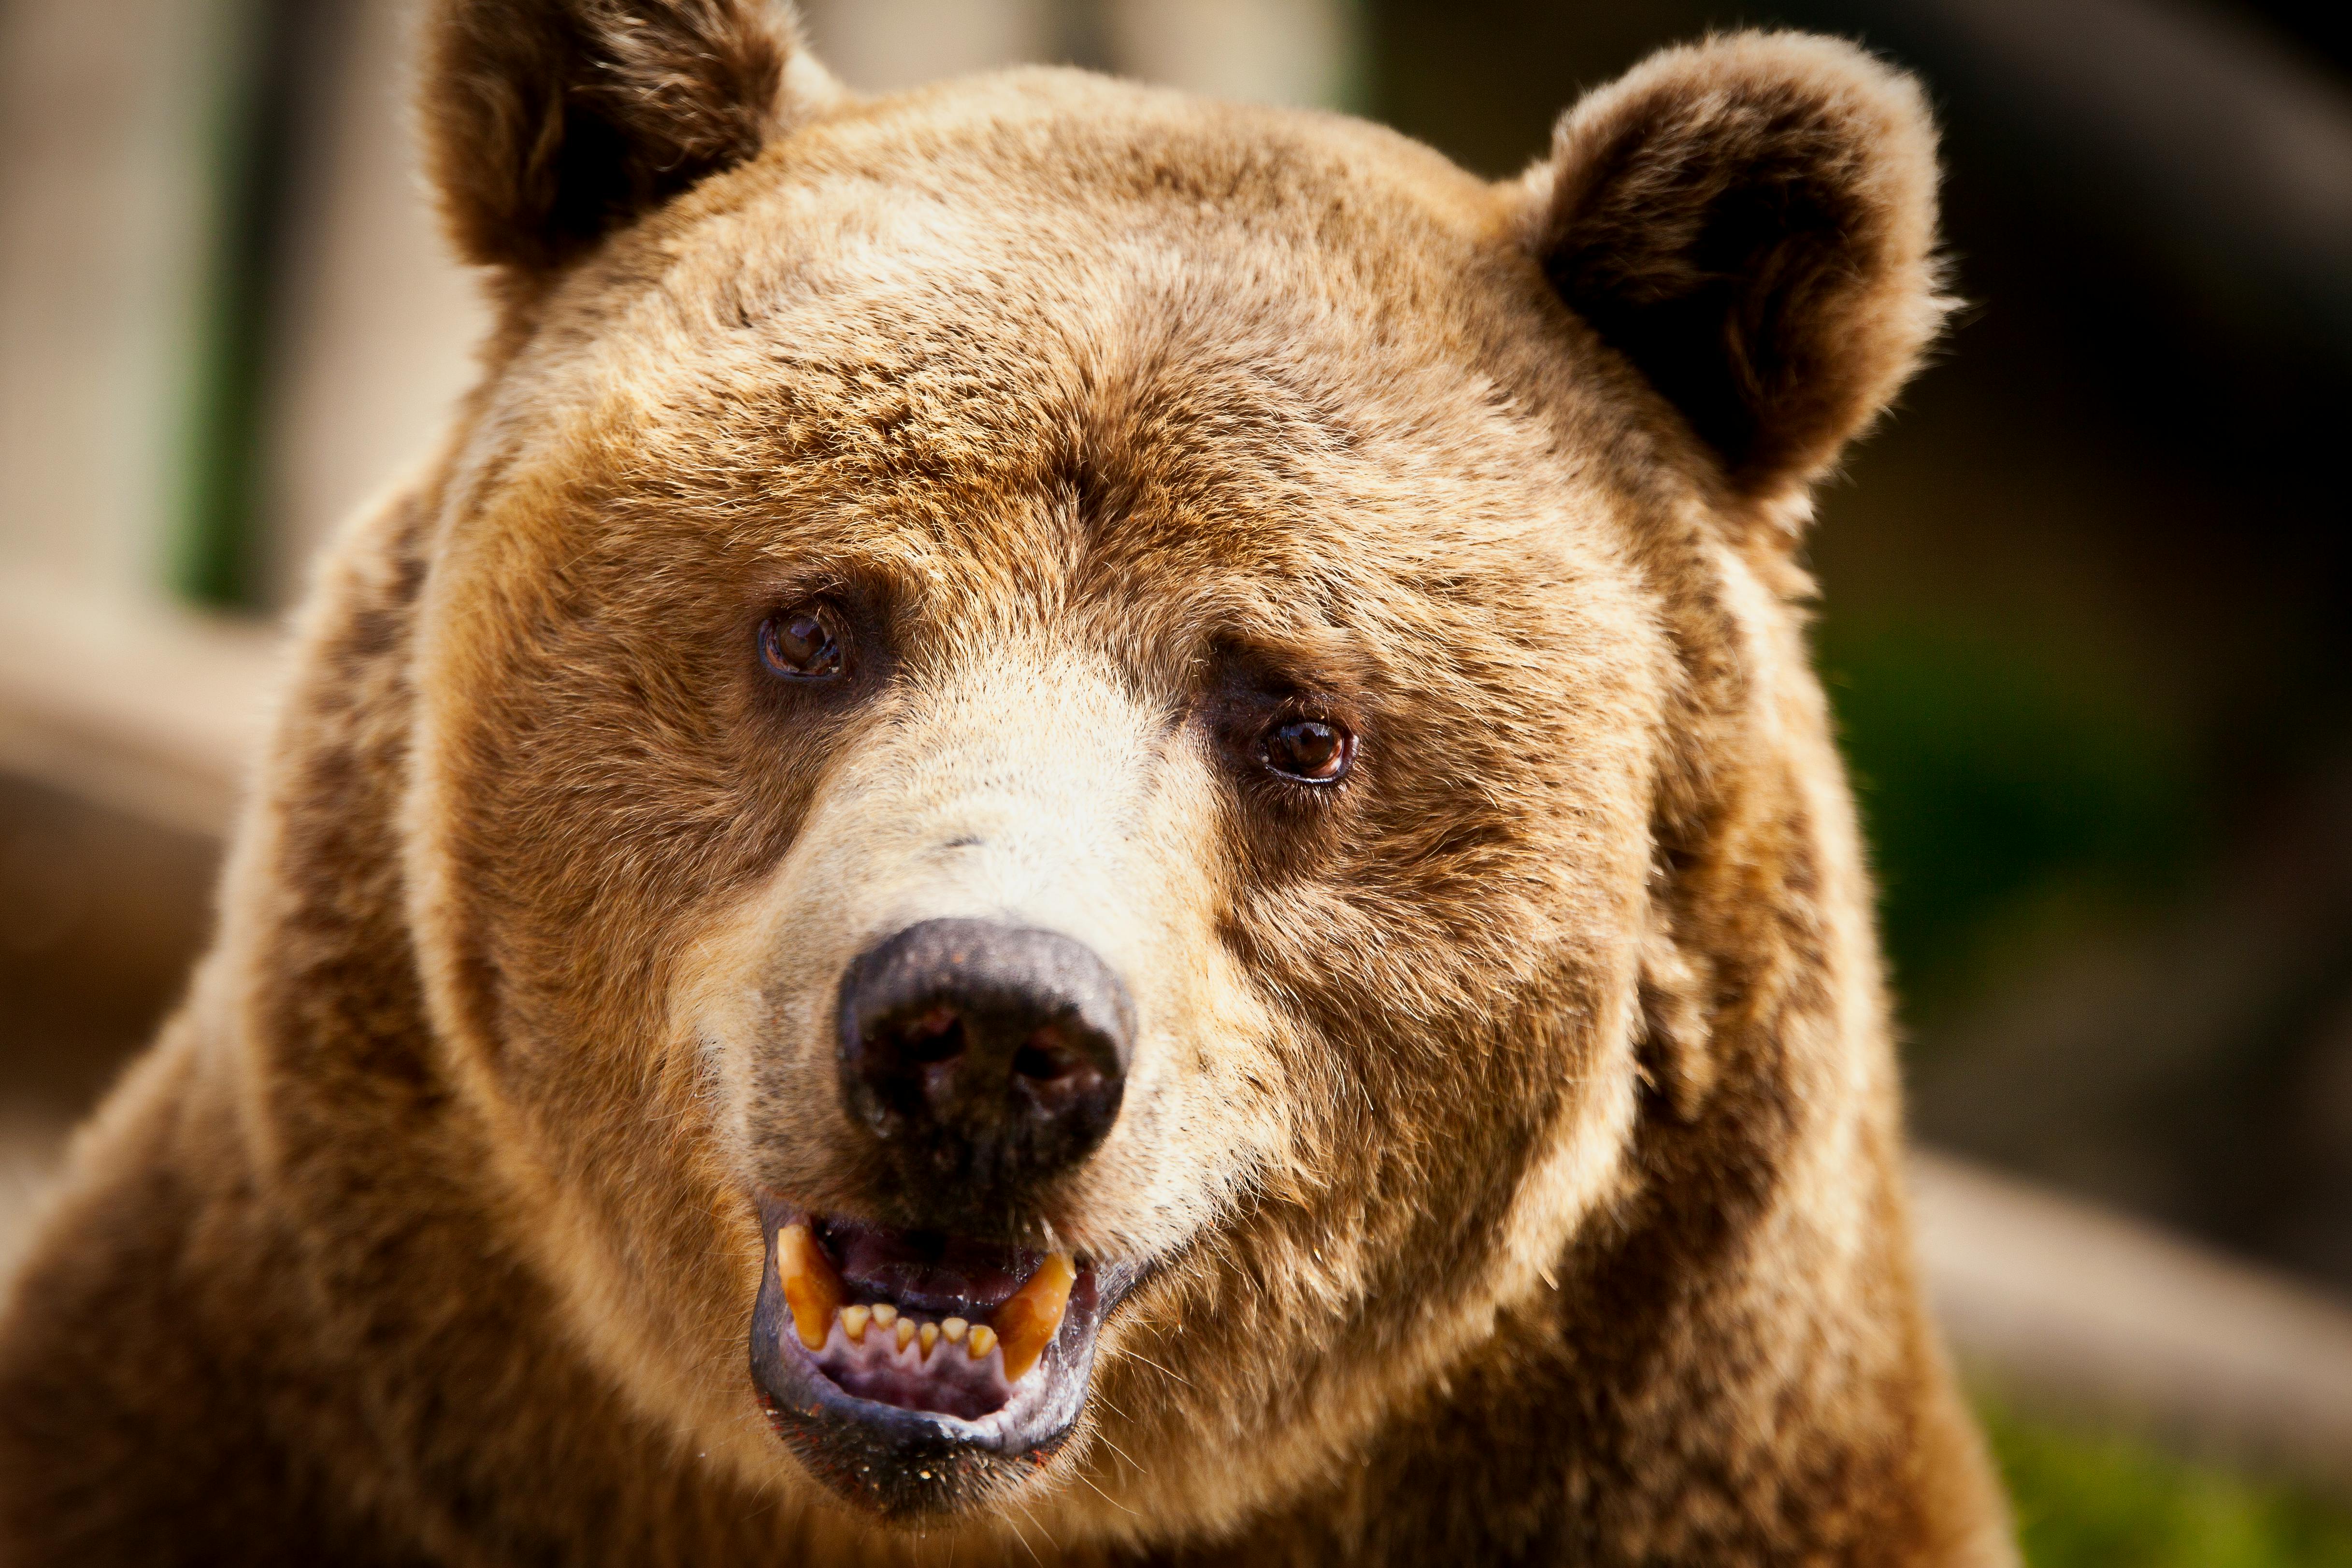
1158 1368
1023 1539
1090 1486
1121 1453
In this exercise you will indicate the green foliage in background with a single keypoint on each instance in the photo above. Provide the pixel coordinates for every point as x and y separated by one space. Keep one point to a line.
2009 798
2108 1501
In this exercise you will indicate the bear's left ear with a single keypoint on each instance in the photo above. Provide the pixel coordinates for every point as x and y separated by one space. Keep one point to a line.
547 123
1751 221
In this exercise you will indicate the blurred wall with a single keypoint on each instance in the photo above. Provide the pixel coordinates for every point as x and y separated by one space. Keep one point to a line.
105 107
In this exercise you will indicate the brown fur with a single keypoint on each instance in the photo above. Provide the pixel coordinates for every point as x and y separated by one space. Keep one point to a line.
1515 1129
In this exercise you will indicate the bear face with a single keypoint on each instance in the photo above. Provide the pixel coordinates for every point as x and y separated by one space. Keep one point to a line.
947 521
935 522
1094 486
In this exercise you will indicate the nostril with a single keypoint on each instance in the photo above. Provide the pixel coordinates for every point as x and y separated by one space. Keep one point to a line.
937 1037
1044 1057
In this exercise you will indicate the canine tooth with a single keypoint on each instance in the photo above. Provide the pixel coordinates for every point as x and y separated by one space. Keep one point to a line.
812 1286
953 1330
983 1340
853 1320
906 1331
930 1334
1030 1316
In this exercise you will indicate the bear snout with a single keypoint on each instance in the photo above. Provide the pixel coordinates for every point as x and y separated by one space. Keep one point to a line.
984 1056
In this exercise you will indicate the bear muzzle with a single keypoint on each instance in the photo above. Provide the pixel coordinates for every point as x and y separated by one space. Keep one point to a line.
918 1369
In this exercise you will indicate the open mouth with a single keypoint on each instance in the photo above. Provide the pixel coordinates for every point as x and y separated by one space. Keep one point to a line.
915 1372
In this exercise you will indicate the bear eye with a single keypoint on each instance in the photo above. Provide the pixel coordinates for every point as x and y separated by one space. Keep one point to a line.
1313 751
802 643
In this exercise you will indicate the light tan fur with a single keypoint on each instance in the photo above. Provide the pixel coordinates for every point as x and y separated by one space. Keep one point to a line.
1514 1131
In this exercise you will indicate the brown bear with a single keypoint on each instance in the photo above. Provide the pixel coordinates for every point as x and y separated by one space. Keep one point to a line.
1072 826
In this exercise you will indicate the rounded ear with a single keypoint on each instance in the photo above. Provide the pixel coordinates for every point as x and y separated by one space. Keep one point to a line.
1751 221
547 123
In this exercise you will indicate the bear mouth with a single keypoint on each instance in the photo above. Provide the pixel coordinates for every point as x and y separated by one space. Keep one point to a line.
917 1371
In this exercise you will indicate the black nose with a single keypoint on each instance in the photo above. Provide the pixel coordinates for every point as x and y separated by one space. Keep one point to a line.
988 1053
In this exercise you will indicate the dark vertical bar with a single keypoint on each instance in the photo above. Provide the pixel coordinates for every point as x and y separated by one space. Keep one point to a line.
273 84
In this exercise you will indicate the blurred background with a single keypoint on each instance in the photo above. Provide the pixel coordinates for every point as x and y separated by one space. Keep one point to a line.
2084 611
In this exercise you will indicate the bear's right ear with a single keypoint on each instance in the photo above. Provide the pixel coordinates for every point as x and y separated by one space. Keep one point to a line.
1751 221
547 123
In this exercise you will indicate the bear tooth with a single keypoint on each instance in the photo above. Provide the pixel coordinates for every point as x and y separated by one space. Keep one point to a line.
983 1341
812 1286
885 1314
853 1320
1031 1316
953 1330
906 1331
930 1334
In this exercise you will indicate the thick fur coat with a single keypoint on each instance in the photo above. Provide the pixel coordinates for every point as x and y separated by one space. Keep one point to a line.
1507 1168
